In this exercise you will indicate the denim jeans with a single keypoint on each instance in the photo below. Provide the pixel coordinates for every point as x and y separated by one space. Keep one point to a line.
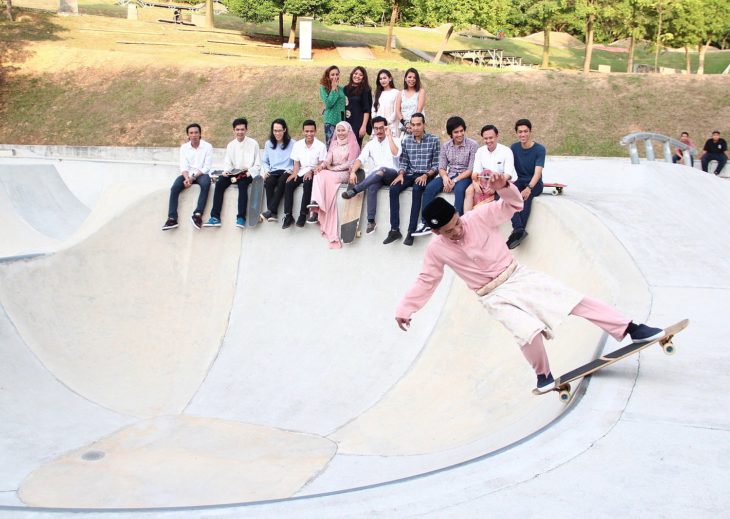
372 183
437 185
177 187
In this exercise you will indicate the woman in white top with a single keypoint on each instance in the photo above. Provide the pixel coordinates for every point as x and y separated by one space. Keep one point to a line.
386 96
412 98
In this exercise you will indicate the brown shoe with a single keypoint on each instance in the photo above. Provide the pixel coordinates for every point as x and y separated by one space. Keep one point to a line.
197 219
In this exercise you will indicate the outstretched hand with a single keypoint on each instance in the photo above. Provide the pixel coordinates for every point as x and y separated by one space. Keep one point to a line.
498 180
403 324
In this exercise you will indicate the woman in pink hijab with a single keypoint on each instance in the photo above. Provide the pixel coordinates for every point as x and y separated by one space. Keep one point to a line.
327 179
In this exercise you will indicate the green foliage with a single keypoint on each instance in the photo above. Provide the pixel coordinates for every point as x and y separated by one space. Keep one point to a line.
255 11
355 12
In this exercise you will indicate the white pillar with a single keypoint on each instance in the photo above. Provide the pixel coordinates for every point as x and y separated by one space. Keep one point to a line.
305 38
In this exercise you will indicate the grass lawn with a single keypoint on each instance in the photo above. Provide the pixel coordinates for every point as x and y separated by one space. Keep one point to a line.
97 79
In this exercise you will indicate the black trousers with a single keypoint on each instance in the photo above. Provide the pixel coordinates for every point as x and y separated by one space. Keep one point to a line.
289 195
220 187
274 187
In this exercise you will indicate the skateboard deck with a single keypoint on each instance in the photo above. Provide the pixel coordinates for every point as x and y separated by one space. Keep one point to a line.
351 213
562 383
557 188
215 175
255 199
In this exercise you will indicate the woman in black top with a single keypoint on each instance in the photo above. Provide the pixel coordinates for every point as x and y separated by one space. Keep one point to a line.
359 103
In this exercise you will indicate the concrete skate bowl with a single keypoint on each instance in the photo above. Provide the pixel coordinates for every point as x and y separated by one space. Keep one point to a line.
145 370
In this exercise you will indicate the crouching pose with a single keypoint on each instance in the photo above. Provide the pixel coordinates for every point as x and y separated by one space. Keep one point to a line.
528 303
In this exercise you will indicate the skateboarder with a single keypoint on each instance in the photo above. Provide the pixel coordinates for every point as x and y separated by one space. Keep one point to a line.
528 303
382 153
196 159
242 154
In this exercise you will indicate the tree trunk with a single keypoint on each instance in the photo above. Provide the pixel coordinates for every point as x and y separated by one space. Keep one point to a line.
208 14
632 47
701 64
281 24
449 32
546 48
687 60
293 29
589 44
393 18
658 39
9 9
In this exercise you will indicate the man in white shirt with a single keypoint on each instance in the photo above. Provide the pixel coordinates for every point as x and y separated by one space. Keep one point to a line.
307 154
380 156
491 158
241 164
196 158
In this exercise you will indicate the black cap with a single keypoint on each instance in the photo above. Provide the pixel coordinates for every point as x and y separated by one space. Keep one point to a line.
438 213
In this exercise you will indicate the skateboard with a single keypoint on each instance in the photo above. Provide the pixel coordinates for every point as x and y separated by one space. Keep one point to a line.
557 188
236 175
215 175
562 383
352 213
255 199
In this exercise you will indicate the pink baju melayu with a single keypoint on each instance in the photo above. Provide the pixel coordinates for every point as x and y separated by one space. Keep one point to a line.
326 184
528 303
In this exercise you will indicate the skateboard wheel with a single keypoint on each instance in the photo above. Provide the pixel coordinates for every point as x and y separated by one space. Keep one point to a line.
669 348
564 396
359 234
555 193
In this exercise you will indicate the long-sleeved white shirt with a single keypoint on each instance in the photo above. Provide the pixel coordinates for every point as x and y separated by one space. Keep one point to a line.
196 161
243 154
379 155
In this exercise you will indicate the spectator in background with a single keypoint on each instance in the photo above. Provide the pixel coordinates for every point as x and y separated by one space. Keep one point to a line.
333 97
714 149
386 96
196 159
678 157
277 166
412 98
359 103
529 162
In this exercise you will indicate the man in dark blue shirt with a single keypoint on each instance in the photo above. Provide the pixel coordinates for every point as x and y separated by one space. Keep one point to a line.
529 162
714 149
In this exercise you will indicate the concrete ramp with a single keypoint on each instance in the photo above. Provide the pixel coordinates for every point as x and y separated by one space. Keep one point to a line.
219 366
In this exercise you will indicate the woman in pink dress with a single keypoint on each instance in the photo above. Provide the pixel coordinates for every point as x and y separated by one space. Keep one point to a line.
327 179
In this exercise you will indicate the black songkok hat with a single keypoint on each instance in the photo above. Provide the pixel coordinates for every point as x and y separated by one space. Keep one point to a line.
438 213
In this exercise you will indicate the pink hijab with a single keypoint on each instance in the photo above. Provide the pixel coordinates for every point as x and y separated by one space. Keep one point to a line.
353 148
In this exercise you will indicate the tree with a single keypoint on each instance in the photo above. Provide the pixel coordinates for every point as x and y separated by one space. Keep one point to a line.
715 28
396 7
303 8
9 9
591 11
549 13
632 19
686 26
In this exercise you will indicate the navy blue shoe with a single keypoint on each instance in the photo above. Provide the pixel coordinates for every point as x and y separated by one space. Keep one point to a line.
642 333
545 382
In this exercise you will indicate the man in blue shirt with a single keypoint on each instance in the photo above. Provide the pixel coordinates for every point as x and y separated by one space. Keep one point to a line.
529 162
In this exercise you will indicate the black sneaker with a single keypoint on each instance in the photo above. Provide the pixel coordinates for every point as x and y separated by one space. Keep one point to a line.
197 219
266 215
171 223
409 240
545 382
640 333
393 235
516 238
422 230
313 217
349 193
371 228
288 220
301 220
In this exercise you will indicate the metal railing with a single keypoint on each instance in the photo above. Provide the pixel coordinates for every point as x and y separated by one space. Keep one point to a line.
631 140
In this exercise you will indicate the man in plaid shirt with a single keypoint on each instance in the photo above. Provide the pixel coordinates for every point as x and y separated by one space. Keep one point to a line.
456 161
419 165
